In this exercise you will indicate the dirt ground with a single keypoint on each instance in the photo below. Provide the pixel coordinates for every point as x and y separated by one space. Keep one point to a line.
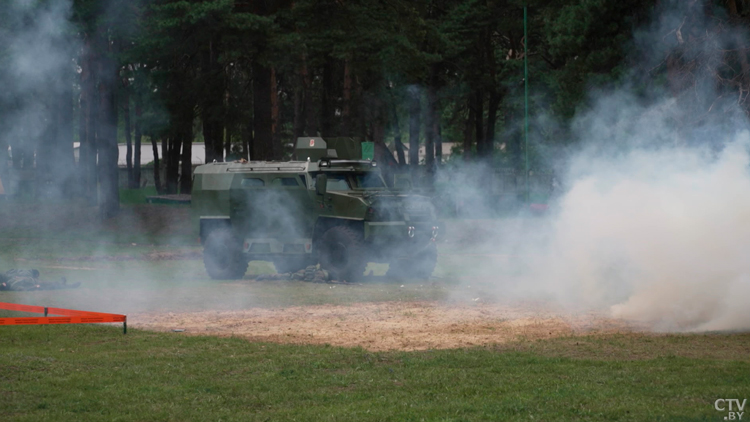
386 325
373 325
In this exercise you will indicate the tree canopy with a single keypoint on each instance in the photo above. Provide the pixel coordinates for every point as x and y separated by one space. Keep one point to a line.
247 77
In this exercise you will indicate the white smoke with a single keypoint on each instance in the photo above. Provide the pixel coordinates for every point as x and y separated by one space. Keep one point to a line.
654 223
36 68
660 236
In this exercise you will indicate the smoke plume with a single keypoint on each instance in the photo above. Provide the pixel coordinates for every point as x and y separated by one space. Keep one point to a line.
654 223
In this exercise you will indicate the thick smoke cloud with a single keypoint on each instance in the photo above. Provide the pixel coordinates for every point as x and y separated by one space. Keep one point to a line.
660 236
36 74
654 223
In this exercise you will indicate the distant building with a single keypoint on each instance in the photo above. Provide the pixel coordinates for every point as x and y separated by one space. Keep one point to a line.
147 153
447 150
147 160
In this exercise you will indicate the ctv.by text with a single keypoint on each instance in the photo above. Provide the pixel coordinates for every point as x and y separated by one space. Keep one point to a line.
734 406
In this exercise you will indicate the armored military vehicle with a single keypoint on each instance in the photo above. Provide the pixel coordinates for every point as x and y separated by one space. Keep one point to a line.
329 206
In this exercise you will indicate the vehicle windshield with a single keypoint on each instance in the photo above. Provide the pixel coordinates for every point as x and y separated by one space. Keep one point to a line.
368 180
349 181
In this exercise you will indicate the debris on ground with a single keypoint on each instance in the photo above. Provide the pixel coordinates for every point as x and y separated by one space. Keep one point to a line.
392 325
28 280
311 273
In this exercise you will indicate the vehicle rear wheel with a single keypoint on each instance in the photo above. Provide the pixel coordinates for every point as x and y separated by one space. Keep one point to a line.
342 253
222 255
419 266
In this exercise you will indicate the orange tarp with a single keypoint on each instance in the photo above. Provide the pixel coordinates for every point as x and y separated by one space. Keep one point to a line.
69 316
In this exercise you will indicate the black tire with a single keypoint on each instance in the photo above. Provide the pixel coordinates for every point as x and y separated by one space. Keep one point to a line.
420 266
342 253
222 256
291 264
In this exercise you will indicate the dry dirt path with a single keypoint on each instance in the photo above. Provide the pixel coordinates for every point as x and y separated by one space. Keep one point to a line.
386 325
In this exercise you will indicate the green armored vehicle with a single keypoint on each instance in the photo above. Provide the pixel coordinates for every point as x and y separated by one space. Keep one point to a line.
331 207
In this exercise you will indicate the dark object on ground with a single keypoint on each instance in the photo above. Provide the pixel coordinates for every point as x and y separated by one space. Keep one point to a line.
27 280
180 199
311 274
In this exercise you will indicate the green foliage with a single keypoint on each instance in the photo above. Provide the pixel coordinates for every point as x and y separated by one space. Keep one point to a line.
136 196
587 44
347 66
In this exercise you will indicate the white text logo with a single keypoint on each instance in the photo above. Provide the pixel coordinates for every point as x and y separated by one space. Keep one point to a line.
734 407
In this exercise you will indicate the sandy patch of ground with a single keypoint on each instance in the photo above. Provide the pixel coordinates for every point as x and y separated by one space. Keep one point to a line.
386 325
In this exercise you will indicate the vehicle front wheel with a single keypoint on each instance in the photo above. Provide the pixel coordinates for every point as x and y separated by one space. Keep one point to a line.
222 256
342 253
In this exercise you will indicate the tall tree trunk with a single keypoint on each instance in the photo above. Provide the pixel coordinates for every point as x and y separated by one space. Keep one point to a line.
346 112
438 130
248 138
515 142
186 139
298 126
138 141
213 141
262 147
327 106
173 161
54 159
166 158
3 162
128 138
377 117
276 152
227 137
109 202
492 107
430 133
213 104
479 124
309 105
65 158
44 152
86 126
397 135
157 166
361 129
415 124
468 132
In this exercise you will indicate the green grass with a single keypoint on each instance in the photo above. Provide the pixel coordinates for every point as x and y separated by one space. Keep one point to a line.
67 229
74 373
136 196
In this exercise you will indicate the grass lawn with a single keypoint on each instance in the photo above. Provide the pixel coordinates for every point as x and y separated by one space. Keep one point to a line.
79 372
74 373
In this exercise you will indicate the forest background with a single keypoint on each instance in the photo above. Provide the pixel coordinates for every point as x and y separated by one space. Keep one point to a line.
249 77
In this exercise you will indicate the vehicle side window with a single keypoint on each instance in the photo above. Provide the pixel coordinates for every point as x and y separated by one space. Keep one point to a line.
336 182
369 180
303 179
252 182
285 182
